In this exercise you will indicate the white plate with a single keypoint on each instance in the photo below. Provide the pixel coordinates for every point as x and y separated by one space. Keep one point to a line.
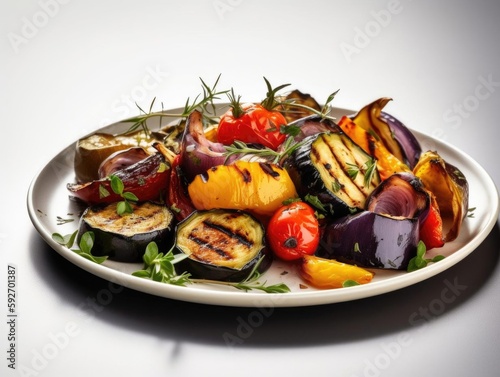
48 199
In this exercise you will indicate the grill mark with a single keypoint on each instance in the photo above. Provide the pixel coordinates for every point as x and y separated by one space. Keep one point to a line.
269 170
245 174
206 245
234 235
340 167
371 143
361 171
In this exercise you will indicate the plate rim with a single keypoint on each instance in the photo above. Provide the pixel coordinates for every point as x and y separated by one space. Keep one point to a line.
236 298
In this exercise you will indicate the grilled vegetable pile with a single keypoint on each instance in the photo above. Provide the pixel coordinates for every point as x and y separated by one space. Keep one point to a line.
218 193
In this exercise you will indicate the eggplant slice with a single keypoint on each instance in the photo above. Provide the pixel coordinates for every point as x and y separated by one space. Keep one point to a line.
335 170
222 245
124 238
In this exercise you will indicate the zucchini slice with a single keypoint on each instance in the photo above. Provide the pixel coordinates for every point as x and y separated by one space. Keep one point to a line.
124 238
333 168
222 244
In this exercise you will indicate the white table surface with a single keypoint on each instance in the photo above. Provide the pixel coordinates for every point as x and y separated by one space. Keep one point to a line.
70 67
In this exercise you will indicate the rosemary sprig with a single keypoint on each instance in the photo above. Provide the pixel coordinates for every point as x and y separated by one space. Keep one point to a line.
369 167
275 157
250 282
323 113
205 104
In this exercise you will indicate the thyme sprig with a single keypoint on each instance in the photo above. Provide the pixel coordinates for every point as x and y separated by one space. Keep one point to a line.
160 267
204 102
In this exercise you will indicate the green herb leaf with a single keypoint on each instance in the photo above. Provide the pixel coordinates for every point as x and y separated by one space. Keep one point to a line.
349 283
141 274
356 248
118 187
352 170
419 261
116 184
150 254
66 240
326 107
87 242
123 208
290 130
103 192
85 246
315 202
130 196
371 168
160 268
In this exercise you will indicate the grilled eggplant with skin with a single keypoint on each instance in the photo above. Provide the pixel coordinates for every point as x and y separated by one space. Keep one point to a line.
334 169
222 245
386 234
124 238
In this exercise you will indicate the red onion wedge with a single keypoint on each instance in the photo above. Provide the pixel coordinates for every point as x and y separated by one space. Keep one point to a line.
120 160
198 154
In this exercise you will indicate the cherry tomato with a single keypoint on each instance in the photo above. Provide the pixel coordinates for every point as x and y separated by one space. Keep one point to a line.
293 231
255 125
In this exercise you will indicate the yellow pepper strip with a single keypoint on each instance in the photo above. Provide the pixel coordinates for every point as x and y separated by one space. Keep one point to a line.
369 119
257 187
387 163
328 273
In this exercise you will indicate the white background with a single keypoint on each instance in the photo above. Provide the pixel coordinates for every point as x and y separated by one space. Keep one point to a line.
70 67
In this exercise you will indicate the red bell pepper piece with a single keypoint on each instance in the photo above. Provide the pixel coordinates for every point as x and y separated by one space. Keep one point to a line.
431 229
177 198
148 179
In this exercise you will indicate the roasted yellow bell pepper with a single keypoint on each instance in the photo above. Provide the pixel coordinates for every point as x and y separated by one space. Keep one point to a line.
328 273
257 187
369 119
450 188
387 163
